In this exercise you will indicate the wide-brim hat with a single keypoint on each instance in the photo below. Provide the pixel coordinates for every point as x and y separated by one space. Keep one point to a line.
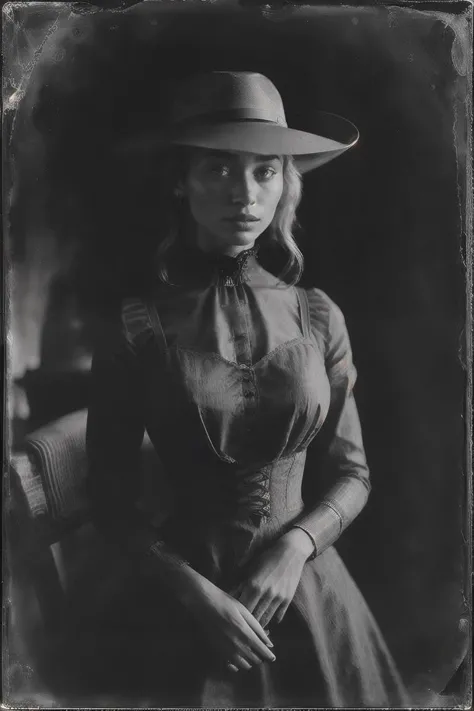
243 111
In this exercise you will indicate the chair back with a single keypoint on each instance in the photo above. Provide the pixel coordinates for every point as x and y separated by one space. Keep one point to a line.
64 556
52 469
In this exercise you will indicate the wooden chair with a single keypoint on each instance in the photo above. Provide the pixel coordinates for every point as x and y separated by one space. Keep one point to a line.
59 569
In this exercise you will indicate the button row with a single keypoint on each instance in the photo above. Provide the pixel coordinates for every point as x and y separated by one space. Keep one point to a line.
247 378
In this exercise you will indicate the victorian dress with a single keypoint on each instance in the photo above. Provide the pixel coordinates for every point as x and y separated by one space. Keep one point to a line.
235 377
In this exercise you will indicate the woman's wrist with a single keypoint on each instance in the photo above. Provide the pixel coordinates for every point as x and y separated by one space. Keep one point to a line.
299 542
176 574
192 587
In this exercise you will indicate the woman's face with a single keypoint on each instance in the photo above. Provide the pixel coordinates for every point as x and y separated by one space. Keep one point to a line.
232 197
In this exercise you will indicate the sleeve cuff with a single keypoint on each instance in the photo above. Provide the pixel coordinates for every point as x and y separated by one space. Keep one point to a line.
324 524
160 550
329 518
144 544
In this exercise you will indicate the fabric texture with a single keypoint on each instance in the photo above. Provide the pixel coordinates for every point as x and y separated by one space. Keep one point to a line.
31 484
53 469
235 376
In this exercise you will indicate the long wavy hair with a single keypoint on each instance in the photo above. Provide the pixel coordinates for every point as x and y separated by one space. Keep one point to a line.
278 248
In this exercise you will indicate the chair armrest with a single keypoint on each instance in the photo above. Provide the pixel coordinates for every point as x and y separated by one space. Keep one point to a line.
57 455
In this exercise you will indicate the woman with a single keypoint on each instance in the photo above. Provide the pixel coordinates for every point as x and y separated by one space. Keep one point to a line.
235 373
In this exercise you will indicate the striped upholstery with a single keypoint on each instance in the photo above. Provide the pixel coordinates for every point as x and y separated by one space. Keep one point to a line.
52 469
71 571
58 452
31 483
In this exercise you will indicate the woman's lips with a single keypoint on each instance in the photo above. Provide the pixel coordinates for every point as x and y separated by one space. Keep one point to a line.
243 222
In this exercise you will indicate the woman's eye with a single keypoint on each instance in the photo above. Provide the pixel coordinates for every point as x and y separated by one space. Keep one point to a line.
221 170
266 173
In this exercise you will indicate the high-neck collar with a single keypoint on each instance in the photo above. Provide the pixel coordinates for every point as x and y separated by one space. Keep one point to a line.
195 265
231 269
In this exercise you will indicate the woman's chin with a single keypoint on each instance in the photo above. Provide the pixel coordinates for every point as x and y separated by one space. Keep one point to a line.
230 239
241 237
244 240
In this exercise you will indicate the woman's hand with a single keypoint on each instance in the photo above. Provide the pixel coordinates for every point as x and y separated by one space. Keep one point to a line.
271 586
231 629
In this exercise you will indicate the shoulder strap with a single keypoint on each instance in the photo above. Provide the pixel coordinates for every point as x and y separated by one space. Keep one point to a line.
142 322
304 311
135 321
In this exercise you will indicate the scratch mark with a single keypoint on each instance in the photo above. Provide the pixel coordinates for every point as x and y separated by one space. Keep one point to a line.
12 101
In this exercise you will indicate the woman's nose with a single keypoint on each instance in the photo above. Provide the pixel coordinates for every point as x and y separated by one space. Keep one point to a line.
243 192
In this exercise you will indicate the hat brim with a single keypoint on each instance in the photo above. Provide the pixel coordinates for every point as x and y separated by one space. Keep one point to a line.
310 150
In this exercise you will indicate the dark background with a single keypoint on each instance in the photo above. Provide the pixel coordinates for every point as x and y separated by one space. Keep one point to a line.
382 229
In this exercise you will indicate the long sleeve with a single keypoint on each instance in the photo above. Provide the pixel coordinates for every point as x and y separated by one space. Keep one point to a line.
115 431
336 484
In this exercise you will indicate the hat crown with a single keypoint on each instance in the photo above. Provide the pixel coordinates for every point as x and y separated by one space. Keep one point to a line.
231 96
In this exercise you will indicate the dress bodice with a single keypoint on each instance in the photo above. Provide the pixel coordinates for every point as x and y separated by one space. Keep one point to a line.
233 374
247 372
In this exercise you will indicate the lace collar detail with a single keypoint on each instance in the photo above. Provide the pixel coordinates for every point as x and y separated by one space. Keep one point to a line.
231 270
192 265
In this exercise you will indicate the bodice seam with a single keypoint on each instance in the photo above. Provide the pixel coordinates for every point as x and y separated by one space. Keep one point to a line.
216 356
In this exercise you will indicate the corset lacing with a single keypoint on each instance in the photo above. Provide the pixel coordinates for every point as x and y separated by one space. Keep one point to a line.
253 494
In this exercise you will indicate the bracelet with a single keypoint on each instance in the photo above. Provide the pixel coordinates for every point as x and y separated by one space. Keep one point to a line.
313 541
334 510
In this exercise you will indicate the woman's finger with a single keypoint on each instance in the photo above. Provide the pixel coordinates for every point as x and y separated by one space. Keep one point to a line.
256 627
250 598
258 647
260 608
240 662
231 667
268 614
257 640
251 657
281 612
